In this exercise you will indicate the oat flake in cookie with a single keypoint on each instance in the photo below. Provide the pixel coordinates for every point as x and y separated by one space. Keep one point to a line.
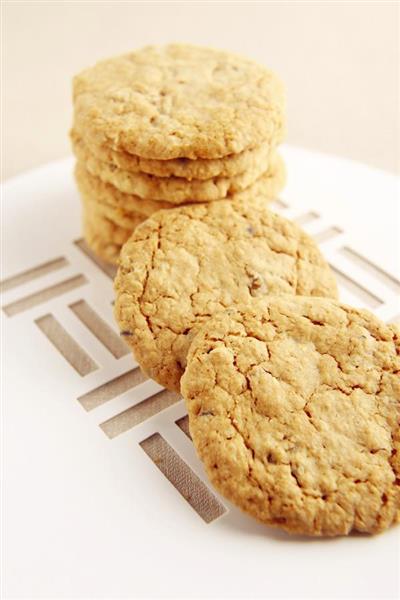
179 101
184 264
294 408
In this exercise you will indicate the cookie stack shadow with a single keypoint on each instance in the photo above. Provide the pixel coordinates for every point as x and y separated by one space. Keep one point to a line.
164 127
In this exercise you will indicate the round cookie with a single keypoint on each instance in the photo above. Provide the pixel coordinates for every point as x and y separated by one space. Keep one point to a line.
265 188
102 235
294 409
182 265
179 101
175 190
179 167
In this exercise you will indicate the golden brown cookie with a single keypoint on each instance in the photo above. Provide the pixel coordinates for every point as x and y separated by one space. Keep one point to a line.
179 167
264 189
268 186
176 190
184 264
127 219
294 408
103 235
179 101
105 193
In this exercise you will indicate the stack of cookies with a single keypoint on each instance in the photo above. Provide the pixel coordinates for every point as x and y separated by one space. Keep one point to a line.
163 127
293 398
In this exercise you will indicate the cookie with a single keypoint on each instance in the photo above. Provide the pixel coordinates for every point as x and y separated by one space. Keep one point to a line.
176 190
179 101
102 235
268 186
294 409
264 189
123 218
105 193
179 167
182 265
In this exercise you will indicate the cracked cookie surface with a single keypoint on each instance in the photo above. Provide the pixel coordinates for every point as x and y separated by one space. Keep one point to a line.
179 101
294 409
182 265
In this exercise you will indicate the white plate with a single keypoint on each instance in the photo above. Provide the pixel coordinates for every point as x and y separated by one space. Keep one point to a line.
90 516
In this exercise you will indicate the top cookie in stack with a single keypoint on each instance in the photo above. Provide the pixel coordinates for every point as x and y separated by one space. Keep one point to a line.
167 126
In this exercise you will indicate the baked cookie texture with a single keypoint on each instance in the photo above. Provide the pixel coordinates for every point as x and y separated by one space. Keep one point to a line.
106 193
294 408
182 265
229 165
179 101
264 189
173 125
175 190
102 234
127 219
